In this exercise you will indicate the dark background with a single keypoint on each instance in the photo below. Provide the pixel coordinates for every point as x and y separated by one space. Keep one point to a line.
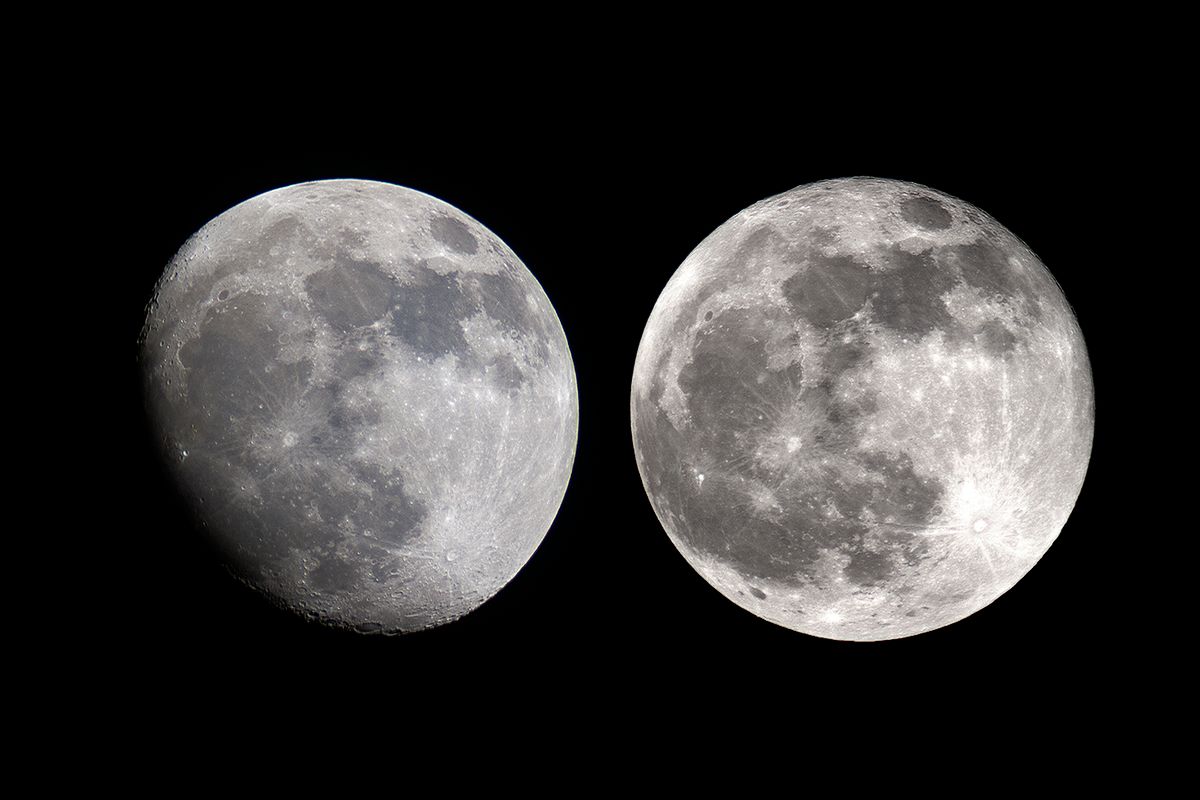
603 195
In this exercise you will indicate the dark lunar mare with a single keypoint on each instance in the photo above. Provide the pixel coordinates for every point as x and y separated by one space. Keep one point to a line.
253 487
429 312
737 405
426 311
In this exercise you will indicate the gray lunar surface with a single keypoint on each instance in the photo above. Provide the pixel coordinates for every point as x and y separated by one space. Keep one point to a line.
862 409
366 398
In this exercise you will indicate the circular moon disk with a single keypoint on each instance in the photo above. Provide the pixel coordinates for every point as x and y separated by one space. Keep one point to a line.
862 409
367 399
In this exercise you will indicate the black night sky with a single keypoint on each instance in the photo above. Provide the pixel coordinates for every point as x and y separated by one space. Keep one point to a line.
603 195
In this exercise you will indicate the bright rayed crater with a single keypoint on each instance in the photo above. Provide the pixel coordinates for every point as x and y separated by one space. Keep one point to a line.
366 398
862 409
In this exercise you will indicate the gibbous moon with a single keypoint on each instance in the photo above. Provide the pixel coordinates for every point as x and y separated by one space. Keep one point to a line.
862 409
366 398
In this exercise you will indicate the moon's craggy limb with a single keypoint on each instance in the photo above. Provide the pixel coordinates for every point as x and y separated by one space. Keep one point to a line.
862 409
366 396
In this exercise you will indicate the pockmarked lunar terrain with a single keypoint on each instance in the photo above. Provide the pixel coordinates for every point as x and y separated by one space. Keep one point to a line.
367 399
862 409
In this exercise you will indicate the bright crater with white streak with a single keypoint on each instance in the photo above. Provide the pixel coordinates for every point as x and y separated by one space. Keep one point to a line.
862 409
366 398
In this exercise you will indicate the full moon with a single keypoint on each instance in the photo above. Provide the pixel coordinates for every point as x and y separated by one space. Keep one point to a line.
365 397
862 409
